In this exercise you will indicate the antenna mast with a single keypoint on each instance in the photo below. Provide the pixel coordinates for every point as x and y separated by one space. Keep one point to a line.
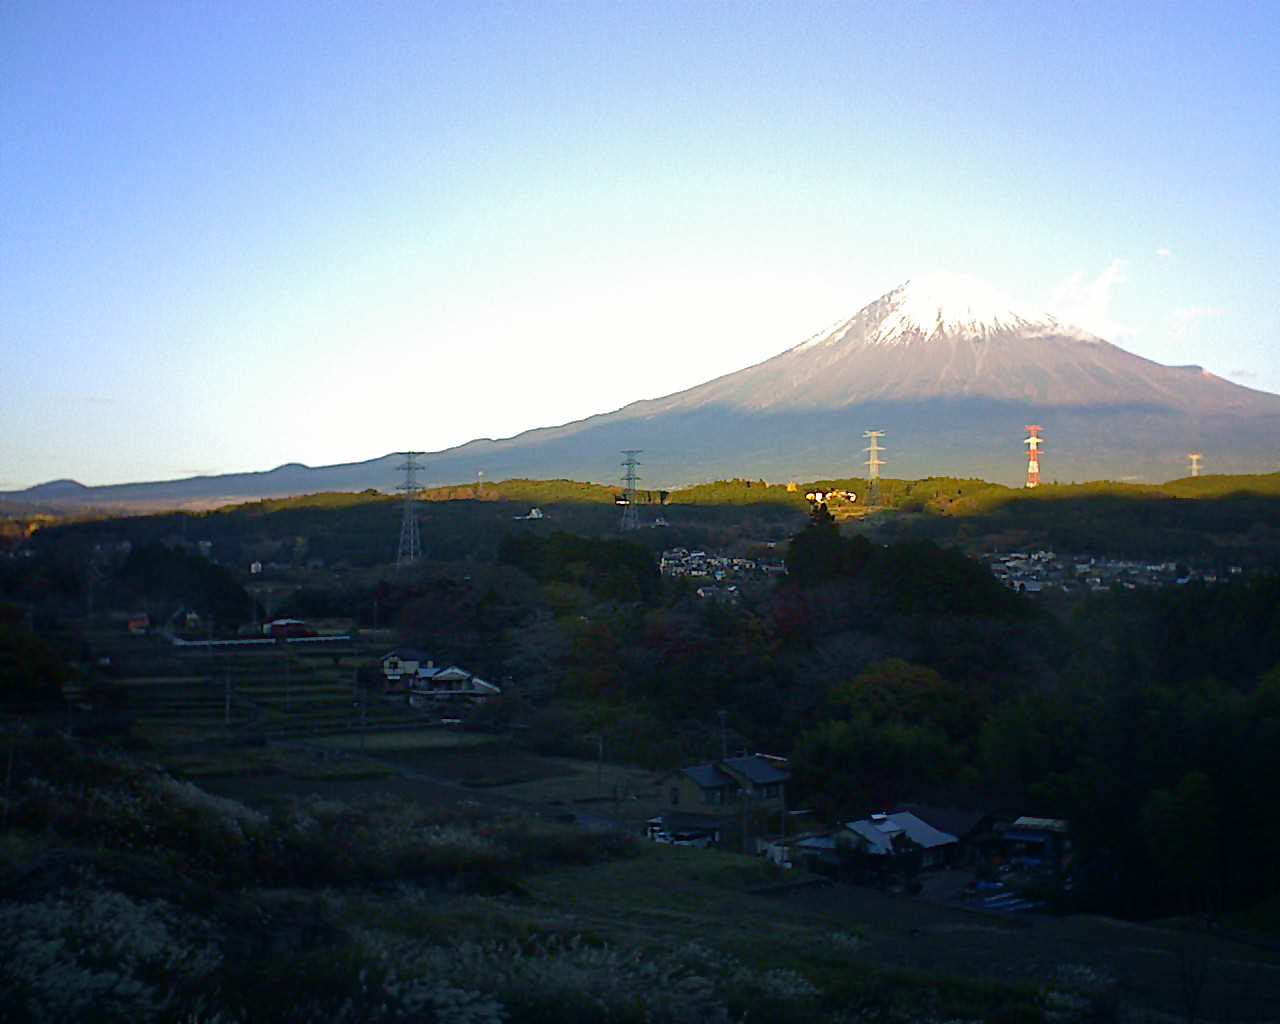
874 462
1033 443
410 545
630 518
1195 458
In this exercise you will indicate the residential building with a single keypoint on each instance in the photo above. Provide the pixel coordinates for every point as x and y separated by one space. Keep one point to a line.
722 787
452 683
888 835
403 661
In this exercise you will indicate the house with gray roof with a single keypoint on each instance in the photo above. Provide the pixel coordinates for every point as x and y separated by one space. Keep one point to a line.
451 683
888 835
723 786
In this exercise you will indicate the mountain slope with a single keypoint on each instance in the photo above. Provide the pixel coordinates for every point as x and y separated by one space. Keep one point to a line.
944 365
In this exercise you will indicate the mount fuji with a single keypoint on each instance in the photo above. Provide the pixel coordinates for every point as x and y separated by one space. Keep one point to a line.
949 369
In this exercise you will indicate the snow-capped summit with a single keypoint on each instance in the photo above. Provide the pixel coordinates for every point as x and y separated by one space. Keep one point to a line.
958 303
952 337
939 303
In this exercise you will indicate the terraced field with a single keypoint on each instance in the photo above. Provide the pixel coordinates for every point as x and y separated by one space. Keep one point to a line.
196 695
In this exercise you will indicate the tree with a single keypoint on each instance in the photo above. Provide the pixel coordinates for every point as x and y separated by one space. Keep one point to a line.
1181 829
30 670
818 554
893 690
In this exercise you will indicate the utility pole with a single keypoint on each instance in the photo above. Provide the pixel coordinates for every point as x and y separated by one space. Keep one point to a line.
364 717
8 781
600 761
724 737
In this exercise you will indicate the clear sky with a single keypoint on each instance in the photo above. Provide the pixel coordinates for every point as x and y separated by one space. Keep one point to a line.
237 234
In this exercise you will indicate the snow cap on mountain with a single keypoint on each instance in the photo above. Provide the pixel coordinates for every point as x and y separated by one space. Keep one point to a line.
951 302
941 302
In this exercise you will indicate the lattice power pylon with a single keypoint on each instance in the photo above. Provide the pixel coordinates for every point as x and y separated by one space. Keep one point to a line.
410 544
1195 458
1033 443
874 462
630 515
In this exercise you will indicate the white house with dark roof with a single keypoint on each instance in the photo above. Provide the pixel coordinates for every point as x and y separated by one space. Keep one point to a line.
451 683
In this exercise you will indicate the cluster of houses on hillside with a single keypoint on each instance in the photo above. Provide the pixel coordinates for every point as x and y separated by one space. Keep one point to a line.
719 575
411 674
1038 571
704 804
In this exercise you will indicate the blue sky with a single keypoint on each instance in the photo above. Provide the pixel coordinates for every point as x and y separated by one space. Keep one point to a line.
239 234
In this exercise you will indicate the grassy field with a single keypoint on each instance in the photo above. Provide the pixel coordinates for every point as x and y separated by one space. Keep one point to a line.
433 738
266 761
839 932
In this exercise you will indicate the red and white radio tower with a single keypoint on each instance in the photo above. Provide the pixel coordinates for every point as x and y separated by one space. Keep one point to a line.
1033 444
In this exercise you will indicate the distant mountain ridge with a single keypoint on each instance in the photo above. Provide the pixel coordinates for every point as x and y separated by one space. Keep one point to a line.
944 365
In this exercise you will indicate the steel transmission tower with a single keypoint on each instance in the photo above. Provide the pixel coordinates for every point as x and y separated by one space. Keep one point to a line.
1195 458
410 545
630 517
874 462
1033 443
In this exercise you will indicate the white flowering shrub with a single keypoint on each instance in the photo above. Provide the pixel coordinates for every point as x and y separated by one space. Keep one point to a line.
563 981
566 979
1062 1007
138 808
845 942
231 814
100 955
1078 993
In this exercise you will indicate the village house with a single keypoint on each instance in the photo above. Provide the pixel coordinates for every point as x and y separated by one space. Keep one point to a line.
720 787
1037 842
900 833
880 843
972 829
409 671
445 684
403 661
286 629
699 799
